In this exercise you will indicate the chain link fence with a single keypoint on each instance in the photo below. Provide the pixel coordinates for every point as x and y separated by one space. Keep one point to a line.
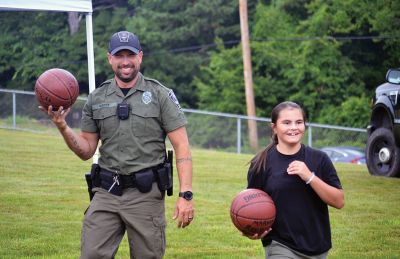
208 130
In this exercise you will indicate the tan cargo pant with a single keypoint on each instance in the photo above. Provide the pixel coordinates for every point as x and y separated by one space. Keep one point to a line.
141 215
277 250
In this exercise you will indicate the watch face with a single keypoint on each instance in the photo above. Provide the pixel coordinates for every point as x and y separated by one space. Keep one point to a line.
188 195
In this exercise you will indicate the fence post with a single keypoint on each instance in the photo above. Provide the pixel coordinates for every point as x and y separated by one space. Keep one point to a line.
309 136
238 138
14 110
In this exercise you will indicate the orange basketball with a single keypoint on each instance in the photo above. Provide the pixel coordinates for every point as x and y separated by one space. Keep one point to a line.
56 87
252 211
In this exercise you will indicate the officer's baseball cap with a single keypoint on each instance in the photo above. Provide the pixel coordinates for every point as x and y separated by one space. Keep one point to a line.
124 40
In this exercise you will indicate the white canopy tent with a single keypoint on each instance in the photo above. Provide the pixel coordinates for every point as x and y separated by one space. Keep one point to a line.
83 6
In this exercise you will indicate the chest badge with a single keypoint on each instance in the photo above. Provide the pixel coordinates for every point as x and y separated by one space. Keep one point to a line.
146 97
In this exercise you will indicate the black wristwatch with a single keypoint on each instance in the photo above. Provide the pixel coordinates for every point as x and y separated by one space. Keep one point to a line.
188 195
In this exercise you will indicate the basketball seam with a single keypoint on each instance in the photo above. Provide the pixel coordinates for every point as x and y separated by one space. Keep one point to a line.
237 216
246 205
43 88
51 92
236 213
65 85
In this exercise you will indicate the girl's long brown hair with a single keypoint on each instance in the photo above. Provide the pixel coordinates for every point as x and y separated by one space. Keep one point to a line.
259 161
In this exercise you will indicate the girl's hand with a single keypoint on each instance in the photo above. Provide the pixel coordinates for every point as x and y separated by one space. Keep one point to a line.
257 236
299 168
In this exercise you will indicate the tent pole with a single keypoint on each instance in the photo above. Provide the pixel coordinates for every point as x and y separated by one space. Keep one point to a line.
90 52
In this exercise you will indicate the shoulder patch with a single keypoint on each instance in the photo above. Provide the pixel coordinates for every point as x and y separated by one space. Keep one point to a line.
174 99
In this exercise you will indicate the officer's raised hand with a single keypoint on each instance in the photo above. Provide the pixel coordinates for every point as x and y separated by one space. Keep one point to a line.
58 116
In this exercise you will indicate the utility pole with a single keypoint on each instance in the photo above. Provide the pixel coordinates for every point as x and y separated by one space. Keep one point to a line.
248 77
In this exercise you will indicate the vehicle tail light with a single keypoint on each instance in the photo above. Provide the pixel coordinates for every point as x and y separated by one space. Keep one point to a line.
355 160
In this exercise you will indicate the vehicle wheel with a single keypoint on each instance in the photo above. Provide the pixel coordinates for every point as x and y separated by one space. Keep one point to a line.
383 155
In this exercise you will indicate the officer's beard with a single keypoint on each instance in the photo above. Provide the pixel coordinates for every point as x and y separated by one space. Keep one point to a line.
129 78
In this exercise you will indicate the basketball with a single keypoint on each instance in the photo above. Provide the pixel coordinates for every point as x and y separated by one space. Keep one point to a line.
252 211
56 87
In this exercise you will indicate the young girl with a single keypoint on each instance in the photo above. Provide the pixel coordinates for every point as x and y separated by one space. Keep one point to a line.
302 181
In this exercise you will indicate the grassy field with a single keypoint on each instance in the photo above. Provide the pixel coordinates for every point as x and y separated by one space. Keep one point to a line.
43 196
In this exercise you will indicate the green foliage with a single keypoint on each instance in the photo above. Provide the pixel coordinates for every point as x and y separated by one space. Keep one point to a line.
272 58
165 28
301 49
174 56
354 112
220 84
30 46
322 75
295 58
385 22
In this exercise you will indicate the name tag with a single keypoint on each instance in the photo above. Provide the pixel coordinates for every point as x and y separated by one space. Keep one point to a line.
103 105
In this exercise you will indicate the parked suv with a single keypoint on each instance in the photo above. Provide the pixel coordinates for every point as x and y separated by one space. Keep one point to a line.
383 145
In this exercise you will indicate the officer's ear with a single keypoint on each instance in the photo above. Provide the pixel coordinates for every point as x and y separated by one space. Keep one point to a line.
140 56
109 57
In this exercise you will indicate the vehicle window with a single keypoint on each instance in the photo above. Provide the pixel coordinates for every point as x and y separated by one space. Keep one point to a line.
336 154
394 76
355 152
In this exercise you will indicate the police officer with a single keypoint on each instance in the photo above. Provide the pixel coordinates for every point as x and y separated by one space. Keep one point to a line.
132 115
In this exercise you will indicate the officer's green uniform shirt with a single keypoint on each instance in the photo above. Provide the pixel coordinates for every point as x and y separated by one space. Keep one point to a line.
138 142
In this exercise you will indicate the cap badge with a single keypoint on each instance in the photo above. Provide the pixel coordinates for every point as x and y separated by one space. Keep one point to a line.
123 36
146 97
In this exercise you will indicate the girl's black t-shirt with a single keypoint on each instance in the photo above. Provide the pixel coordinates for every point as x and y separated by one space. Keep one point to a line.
302 218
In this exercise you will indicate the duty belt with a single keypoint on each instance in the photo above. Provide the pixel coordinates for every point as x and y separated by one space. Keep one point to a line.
125 181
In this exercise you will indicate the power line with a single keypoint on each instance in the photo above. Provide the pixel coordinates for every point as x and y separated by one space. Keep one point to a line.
339 38
194 48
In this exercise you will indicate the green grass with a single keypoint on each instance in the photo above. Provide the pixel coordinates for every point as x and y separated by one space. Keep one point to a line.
30 124
43 196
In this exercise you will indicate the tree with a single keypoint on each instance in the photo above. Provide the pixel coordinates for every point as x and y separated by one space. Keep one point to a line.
270 60
385 22
318 53
353 112
220 84
29 46
177 36
295 58
73 20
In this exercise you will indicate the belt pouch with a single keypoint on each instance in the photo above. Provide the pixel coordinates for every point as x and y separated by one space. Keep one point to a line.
144 180
109 183
90 185
94 175
164 178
